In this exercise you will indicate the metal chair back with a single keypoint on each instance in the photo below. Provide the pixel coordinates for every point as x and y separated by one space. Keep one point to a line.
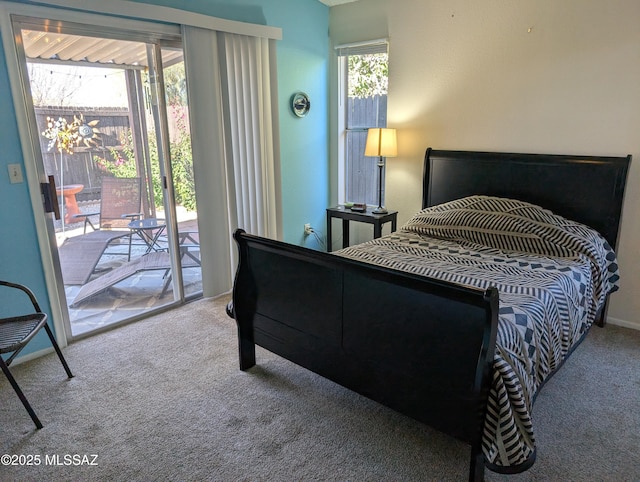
120 202
15 332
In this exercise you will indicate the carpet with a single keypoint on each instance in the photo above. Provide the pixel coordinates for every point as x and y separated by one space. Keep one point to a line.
163 399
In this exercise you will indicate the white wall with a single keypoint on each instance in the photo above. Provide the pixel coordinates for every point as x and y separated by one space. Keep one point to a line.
544 76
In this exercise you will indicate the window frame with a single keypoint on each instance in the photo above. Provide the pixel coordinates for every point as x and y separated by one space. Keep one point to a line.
343 52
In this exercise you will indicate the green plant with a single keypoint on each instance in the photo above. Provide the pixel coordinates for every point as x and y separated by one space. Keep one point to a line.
182 162
121 162
368 75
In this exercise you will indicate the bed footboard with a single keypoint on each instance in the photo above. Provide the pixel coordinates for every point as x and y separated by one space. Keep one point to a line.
420 346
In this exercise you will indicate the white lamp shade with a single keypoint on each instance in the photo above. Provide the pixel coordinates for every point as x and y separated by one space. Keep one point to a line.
381 142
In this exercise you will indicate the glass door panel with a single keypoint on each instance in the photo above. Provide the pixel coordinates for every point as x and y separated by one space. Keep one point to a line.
170 146
127 240
181 168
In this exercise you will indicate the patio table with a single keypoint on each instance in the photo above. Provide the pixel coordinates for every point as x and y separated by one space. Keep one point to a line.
68 192
149 230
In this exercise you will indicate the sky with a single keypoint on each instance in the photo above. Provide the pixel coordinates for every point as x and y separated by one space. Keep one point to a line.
81 86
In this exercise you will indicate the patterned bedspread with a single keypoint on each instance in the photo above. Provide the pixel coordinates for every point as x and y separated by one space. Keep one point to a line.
552 274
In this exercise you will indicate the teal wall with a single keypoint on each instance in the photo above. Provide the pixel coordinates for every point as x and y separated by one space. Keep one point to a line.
302 65
19 253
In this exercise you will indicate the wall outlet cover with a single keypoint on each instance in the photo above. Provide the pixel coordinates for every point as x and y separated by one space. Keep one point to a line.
15 173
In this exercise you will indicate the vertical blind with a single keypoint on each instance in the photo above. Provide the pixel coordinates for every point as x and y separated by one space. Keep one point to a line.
233 116
250 155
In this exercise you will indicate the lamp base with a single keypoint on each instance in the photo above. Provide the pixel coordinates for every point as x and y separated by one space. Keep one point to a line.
379 210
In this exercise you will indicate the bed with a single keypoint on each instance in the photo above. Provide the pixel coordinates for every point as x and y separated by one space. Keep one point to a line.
436 320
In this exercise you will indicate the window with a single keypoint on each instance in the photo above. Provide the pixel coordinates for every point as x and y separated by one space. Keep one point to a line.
363 104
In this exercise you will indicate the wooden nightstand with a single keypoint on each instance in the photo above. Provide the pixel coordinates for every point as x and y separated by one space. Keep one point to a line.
347 215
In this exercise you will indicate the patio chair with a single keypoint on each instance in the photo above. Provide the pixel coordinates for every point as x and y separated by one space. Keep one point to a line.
119 205
120 199
16 332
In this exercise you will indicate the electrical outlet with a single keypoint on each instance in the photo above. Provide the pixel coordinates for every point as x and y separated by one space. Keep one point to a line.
308 229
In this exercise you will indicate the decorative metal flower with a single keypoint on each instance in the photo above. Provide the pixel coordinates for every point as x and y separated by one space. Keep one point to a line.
64 136
88 134
61 134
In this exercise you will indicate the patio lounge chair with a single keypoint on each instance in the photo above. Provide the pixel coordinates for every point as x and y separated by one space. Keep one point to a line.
189 243
147 262
119 205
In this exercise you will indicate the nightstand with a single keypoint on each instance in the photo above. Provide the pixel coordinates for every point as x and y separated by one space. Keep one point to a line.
347 215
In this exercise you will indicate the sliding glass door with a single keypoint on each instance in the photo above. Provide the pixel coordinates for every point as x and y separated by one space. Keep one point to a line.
109 124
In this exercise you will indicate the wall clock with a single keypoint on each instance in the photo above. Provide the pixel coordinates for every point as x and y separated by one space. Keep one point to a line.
300 104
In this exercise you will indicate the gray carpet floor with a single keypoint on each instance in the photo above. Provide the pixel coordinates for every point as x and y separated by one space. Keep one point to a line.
163 399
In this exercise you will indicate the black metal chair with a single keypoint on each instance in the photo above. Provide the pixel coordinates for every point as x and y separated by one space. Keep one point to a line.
15 333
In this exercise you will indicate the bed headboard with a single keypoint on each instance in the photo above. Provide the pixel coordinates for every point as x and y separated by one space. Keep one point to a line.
587 189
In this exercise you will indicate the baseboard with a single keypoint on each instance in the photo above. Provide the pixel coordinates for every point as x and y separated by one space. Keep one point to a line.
624 323
39 353
31 356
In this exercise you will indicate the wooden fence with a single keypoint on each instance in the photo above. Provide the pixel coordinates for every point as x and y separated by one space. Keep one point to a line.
80 166
362 172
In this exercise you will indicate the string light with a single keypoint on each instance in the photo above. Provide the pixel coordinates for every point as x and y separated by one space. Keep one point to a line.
87 76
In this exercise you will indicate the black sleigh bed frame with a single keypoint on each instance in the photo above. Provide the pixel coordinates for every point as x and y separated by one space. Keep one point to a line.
421 346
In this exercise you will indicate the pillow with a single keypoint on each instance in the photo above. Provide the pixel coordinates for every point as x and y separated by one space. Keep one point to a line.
514 226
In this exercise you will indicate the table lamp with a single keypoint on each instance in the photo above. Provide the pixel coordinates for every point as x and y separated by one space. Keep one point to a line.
381 143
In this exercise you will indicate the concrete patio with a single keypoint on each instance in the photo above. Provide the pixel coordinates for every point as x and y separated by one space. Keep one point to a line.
134 293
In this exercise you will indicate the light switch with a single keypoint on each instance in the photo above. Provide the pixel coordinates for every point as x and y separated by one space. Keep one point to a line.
15 173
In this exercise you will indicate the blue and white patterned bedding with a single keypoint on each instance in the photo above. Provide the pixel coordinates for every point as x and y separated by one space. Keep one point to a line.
553 275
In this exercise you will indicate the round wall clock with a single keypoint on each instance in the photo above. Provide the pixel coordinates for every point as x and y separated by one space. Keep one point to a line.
300 104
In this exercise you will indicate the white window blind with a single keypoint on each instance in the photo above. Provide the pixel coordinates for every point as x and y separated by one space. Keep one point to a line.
380 46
